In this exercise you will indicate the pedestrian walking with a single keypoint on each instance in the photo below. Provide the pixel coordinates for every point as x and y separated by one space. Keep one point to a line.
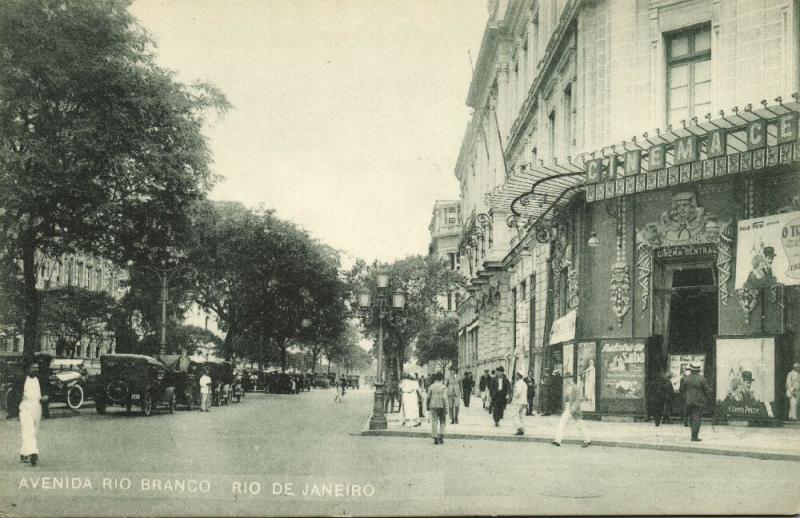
491 387
531 394
793 390
501 395
544 396
519 403
437 408
466 388
341 388
483 388
205 390
30 414
409 401
453 397
697 395
681 389
661 394
572 412
420 396
556 392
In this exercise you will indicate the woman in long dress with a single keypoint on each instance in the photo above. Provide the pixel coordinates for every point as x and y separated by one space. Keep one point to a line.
409 393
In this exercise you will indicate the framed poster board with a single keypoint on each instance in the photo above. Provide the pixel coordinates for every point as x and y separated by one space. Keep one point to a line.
746 377
679 362
568 370
622 383
587 375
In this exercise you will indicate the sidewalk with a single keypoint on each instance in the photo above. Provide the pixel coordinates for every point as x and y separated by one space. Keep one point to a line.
476 423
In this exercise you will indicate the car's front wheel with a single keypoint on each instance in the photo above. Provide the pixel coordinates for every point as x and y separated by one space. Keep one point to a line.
75 397
147 404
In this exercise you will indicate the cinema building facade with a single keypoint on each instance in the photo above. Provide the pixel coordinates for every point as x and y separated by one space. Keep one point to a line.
643 250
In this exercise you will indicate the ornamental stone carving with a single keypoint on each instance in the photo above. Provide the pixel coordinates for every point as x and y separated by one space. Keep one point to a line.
620 290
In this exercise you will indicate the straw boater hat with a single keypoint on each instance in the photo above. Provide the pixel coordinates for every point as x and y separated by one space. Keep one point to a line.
695 366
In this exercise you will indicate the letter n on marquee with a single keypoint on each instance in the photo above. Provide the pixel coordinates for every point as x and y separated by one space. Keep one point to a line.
686 150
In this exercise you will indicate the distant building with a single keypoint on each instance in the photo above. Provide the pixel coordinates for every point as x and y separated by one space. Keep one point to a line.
80 270
445 229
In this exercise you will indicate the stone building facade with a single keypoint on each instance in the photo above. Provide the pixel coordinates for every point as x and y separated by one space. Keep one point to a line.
618 151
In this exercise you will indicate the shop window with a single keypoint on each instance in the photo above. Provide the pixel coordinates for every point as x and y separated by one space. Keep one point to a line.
688 74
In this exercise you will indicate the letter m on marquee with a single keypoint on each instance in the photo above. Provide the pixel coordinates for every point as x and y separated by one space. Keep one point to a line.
686 150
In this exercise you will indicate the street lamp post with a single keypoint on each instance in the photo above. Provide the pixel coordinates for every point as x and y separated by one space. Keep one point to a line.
164 274
381 309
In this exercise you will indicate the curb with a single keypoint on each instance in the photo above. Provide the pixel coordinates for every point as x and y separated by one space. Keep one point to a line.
762 455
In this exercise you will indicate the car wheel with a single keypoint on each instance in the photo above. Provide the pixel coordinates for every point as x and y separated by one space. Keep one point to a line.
75 397
171 407
147 404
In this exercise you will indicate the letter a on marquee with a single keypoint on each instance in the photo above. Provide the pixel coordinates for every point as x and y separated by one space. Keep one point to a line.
716 144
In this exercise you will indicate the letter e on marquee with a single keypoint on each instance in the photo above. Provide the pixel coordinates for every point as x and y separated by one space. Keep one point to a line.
716 144
657 158
686 150
787 127
757 134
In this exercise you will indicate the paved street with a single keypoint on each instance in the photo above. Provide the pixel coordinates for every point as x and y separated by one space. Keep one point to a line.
269 441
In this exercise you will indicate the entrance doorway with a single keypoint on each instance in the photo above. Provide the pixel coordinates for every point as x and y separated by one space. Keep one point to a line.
686 314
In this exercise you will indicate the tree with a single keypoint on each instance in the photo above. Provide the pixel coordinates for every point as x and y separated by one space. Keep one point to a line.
422 278
438 342
102 150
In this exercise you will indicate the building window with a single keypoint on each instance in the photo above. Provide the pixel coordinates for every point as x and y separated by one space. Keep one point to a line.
569 120
551 133
523 288
449 301
688 74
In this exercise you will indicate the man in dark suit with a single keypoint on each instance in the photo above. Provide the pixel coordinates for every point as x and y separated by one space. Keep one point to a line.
491 386
500 395
697 394
466 387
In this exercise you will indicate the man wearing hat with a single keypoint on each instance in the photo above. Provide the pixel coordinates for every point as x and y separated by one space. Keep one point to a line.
793 390
556 392
500 395
697 394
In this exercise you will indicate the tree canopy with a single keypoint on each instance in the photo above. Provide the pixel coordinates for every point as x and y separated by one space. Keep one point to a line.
102 149
438 342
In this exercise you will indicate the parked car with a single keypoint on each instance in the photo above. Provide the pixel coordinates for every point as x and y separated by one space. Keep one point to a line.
73 381
12 377
187 385
134 379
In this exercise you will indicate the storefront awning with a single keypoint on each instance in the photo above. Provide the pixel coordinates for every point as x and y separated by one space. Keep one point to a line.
534 194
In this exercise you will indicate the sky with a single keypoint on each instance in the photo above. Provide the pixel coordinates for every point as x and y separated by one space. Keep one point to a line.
348 114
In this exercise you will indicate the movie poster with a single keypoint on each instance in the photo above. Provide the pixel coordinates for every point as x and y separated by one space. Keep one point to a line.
622 382
679 362
768 251
587 375
746 377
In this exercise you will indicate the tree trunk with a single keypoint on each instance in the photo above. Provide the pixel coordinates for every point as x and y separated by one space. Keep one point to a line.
31 299
227 345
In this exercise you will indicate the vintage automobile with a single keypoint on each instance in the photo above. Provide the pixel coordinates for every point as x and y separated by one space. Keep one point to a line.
73 381
237 390
12 376
187 384
221 373
134 379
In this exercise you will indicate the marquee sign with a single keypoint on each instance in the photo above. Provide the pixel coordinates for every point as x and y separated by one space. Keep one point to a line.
702 155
